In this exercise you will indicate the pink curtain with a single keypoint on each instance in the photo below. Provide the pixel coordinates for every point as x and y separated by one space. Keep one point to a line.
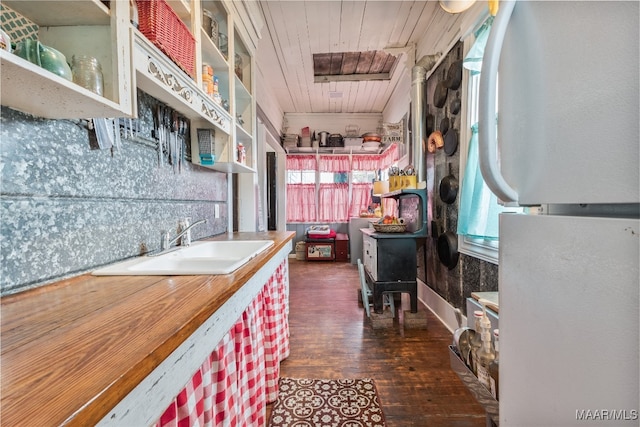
360 198
365 163
334 164
389 157
334 203
301 163
333 199
390 207
301 202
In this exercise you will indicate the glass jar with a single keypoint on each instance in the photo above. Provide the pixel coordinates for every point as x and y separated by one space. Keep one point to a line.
223 44
207 18
87 73
238 65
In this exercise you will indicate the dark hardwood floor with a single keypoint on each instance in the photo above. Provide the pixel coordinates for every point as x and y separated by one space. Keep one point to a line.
331 337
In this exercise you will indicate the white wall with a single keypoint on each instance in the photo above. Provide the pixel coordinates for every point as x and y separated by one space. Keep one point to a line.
267 101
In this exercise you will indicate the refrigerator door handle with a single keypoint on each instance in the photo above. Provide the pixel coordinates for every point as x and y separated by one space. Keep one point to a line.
487 140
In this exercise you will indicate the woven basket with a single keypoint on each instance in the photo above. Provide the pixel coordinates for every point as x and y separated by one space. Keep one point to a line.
389 228
160 24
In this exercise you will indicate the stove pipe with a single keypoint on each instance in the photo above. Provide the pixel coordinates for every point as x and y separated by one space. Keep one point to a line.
419 113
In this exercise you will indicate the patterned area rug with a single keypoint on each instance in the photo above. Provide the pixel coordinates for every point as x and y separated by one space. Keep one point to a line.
327 403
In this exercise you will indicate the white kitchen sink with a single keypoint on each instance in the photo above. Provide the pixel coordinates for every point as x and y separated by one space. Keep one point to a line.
210 257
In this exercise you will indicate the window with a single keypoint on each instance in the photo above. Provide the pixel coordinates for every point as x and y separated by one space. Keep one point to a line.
301 188
363 177
479 207
333 188
301 177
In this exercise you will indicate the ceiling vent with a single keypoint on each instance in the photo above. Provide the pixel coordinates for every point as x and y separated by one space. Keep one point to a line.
353 66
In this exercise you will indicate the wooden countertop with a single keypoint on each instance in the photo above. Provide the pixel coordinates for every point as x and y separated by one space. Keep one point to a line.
491 297
70 351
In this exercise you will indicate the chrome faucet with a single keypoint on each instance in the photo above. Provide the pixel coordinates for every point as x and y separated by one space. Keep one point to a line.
185 234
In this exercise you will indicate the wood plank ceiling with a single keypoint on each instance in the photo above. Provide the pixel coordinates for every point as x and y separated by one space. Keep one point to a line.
295 31
352 66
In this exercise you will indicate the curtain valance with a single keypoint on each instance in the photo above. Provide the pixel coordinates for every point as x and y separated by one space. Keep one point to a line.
302 163
344 162
334 164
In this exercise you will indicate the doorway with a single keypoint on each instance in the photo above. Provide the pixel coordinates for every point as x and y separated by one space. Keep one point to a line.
272 191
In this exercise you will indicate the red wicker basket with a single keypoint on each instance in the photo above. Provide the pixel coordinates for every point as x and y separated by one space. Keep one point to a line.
160 24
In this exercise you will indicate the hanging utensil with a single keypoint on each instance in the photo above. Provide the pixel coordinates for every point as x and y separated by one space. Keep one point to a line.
447 246
440 93
102 133
451 140
174 140
430 123
454 74
448 188
444 123
435 141
456 104
158 125
115 123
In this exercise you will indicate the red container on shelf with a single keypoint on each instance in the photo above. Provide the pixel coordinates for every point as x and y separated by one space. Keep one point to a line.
160 24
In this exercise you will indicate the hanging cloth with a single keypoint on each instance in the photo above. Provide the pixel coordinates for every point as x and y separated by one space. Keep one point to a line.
473 60
479 208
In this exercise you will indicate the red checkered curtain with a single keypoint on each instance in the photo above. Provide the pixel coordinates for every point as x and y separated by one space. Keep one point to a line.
276 331
250 363
235 382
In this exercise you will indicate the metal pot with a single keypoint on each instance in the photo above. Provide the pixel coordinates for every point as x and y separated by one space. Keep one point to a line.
462 339
322 138
449 188
447 246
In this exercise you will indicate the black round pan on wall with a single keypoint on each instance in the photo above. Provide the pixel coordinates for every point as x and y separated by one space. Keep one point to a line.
451 140
447 246
448 188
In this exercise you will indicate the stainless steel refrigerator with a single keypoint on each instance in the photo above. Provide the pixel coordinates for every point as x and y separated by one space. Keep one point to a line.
566 146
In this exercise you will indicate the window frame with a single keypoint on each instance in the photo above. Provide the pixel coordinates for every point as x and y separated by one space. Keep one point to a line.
486 250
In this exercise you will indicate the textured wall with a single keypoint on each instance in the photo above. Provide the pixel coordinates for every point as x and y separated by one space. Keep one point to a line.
67 209
470 274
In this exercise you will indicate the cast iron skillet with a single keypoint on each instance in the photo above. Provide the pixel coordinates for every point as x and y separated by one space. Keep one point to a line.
448 188
444 123
440 94
456 104
454 75
447 246
429 122
451 140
